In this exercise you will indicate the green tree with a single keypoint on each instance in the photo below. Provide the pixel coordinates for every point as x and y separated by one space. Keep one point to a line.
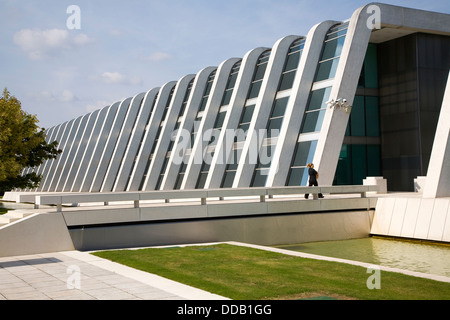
22 145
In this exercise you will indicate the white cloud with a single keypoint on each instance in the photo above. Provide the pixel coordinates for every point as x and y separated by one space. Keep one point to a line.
64 96
39 44
159 56
118 78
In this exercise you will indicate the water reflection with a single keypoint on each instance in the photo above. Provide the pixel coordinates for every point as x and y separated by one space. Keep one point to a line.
420 257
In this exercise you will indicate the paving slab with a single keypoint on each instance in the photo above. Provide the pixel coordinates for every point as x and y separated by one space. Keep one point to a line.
75 275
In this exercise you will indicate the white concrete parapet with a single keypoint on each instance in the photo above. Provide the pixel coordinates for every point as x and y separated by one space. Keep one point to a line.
419 184
376 181
105 197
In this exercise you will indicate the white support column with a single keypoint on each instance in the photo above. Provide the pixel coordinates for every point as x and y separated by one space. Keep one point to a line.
110 144
298 101
181 145
166 132
43 169
150 136
48 168
70 181
208 119
438 176
133 147
99 147
345 84
71 153
62 142
265 100
232 118
89 150
65 151
121 143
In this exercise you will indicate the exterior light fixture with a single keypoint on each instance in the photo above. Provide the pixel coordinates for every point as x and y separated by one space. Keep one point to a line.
339 104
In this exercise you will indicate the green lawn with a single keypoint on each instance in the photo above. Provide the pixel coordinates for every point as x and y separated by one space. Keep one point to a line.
3 211
243 273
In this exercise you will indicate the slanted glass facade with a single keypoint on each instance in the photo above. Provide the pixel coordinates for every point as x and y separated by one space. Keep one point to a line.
316 108
360 155
136 144
246 117
277 114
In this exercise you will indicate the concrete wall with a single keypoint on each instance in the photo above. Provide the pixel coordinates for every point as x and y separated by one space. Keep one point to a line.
38 233
413 217
270 230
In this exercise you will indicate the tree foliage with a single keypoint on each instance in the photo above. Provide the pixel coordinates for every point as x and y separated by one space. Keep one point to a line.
22 145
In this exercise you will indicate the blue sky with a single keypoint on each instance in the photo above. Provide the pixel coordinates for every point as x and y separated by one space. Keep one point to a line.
127 47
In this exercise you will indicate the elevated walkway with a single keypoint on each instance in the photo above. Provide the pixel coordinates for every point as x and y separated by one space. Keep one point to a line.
263 216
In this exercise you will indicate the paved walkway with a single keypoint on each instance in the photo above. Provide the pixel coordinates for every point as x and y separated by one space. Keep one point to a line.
75 275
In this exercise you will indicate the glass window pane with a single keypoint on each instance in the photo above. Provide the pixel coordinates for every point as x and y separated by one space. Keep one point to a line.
220 119
287 80
304 153
232 80
202 180
333 48
327 69
248 113
179 181
260 177
319 99
372 117
228 180
227 97
260 71
373 161
357 118
313 121
359 164
297 177
254 91
344 168
280 107
265 156
244 127
273 129
292 61
309 124
232 163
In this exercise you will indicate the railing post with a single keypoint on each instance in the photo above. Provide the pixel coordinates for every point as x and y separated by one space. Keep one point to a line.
37 202
203 201
136 204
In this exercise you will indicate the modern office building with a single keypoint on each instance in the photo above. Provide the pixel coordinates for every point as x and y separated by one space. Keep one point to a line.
357 98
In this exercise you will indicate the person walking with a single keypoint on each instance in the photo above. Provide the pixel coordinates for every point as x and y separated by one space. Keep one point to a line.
313 176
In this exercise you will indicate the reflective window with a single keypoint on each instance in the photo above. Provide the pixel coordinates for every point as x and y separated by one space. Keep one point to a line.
315 111
331 52
220 118
304 154
291 65
260 70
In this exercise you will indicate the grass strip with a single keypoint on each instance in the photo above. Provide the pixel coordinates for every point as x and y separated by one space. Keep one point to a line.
243 273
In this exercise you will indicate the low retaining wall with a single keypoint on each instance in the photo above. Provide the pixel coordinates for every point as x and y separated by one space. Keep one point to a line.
413 217
262 230
38 233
